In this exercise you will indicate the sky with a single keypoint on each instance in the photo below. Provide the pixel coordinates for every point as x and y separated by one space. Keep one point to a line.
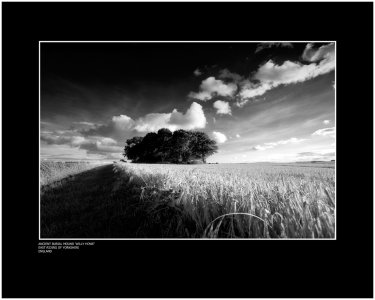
261 102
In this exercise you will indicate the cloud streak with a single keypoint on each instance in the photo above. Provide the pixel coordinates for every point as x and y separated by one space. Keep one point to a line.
330 132
271 145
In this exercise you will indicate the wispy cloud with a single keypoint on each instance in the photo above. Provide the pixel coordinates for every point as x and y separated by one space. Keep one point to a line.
268 76
226 74
312 55
326 122
331 132
266 146
262 46
197 72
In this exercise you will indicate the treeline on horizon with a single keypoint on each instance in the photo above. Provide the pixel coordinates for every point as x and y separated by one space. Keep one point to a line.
179 147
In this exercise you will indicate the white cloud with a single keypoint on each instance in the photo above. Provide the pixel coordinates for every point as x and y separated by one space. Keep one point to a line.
326 122
291 72
108 141
123 122
121 125
192 119
197 72
222 107
237 135
211 87
274 144
219 137
331 132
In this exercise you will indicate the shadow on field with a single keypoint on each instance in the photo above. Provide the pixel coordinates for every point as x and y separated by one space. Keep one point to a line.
85 205
99 203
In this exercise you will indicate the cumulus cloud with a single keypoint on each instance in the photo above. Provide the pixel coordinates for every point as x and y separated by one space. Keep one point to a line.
193 118
331 132
197 72
211 87
123 122
219 137
262 46
274 144
222 107
326 122
237 135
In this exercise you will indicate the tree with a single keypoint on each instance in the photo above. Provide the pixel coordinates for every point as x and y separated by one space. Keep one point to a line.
203 146
132 148
180 146
164 143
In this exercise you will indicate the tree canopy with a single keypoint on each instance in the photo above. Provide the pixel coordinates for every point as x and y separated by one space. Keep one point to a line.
181 146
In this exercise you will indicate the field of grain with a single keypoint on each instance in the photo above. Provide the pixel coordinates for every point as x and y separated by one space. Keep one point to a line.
232 200
51 171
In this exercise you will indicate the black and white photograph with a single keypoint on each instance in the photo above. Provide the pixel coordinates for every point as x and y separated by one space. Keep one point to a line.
187 149
187 140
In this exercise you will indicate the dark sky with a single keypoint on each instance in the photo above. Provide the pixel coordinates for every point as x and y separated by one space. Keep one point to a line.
95 95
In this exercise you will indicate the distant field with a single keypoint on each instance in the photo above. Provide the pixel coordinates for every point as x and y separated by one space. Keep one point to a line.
125 200
51 171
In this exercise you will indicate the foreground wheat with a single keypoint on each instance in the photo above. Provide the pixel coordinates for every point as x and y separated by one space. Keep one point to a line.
234 200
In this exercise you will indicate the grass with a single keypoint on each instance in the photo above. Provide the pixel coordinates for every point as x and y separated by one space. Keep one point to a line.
51 171
235 201
126 200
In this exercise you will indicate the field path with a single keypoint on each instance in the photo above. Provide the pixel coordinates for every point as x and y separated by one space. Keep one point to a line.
85 206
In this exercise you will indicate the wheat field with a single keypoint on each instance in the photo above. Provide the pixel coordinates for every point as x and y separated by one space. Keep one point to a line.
51 171
234 200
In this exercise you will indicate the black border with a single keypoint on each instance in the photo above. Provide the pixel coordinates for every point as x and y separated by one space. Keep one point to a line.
341 268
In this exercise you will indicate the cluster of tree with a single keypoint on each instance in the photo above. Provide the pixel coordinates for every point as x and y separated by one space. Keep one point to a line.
181 146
